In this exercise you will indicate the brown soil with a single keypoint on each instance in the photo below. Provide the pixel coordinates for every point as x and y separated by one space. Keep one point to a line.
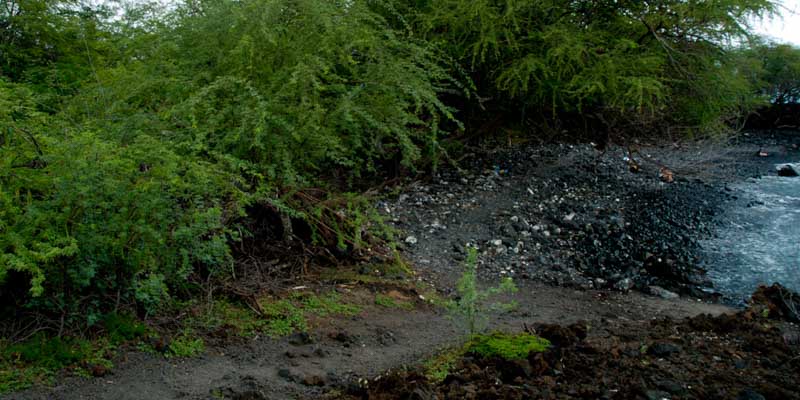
730 356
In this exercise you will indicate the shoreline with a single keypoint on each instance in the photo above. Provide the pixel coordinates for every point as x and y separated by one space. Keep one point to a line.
571 216
483 208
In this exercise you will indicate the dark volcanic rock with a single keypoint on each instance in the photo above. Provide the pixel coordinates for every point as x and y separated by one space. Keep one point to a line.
300 338
778 302
614 366
750 394
788 170
574 218
664 349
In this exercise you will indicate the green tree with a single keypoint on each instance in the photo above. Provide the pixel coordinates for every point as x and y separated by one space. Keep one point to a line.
776 71
662 63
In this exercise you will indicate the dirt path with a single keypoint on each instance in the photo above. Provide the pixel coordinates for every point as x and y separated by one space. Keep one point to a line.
344 349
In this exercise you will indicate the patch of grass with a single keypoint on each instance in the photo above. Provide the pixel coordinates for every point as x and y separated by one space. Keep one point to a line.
385 273
506 346
437 368
286 316
350 276
283 317
15 376
36 360
276 317
49 352
388 302
245 322
324 305
186 345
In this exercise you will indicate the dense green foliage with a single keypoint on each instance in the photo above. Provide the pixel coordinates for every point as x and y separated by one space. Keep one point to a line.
82 215
280 91
133 185
135 140
774 69
649 64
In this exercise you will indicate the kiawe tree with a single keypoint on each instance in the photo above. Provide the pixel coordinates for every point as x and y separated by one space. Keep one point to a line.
647 63
138 180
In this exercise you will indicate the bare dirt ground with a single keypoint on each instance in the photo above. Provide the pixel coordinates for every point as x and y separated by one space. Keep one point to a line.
585 238
345 350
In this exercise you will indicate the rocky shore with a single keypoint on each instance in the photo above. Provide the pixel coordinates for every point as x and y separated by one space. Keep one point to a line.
570 215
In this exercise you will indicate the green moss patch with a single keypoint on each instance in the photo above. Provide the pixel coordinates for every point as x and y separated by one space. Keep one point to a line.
507 346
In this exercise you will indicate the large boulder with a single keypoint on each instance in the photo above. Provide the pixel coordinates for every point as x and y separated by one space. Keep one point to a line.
788 169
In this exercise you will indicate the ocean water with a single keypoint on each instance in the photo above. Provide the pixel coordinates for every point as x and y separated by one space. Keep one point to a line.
758 239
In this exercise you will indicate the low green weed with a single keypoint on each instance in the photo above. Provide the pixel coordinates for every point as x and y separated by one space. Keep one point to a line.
36 360
473 305
273 317
438 367
186 345
388 302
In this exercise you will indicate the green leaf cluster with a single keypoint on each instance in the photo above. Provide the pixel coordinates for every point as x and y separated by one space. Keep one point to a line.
137 179
774 69
280 91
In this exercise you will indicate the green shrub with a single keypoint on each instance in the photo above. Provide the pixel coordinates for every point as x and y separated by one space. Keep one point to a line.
280 90
137 181
122 327
506 346
97 218
774 70
131 146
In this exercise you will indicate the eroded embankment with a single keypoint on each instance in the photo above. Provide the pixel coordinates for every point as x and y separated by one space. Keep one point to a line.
745 355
